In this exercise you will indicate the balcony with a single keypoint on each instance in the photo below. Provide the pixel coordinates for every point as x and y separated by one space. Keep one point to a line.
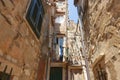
60 24
60 30
61 7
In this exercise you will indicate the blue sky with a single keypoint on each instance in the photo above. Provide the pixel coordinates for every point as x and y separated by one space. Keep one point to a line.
72 11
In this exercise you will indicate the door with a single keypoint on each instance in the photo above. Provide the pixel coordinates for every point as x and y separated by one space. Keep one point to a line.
56 73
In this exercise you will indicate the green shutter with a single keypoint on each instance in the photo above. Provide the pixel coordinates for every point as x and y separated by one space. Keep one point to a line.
56 73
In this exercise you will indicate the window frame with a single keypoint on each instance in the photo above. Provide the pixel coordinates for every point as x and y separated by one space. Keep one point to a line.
35 23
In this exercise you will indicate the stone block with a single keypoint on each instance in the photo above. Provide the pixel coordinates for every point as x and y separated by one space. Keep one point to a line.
15 78
1 53
9 4
27 72
8 57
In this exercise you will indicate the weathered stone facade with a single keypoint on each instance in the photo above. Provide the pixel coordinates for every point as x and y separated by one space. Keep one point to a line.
20 49
102 34
100 19
75 56
28 57
74 44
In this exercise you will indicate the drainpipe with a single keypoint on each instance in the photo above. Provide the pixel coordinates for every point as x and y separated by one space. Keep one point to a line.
86 67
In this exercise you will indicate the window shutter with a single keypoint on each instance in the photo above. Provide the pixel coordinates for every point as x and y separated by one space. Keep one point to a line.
35 16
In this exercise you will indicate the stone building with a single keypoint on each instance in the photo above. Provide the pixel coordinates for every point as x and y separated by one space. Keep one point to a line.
24 39
57 69
33 39
35 43
101 22
76 67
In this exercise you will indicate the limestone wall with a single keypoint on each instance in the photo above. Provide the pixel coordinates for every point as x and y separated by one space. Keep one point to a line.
103 25
20 49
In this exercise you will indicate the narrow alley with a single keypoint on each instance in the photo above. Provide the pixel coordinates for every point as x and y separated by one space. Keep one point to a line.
44 40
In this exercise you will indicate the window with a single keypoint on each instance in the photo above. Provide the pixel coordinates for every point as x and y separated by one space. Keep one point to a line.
100 73
35 16
59 42
4 75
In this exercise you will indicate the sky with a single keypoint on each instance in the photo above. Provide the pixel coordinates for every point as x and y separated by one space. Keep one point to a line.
72 11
